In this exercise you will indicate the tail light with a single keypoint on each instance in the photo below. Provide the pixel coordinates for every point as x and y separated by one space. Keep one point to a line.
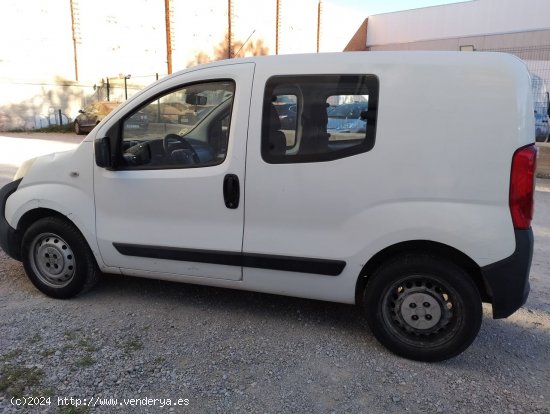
522 186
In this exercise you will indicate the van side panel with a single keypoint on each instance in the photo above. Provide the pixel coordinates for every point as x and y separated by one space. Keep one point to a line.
439 171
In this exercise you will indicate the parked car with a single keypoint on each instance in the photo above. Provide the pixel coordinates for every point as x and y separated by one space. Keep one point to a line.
542 127
88 118
347 117
417 220
541 101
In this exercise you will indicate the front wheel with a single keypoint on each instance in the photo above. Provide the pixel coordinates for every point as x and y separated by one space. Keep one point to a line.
423 307
57 258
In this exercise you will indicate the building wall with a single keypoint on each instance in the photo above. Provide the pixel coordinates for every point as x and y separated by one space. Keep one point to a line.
460 20
359 40
537 38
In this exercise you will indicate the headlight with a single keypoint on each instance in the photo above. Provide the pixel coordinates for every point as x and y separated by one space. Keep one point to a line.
26 166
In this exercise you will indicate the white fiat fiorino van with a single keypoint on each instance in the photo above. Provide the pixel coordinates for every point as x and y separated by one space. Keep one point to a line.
250 174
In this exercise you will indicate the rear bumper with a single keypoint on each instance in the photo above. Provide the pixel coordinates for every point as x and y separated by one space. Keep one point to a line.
508 280
9 239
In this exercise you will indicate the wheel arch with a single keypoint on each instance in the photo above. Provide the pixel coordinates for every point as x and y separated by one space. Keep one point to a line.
31 216
36 214
54 267
424 246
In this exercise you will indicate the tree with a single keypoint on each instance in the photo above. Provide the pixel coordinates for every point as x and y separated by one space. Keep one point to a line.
251 48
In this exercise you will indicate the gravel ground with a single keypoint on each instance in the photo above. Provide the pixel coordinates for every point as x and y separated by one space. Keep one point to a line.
221 350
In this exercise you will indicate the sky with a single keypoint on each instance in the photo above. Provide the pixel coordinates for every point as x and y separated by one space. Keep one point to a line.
134 43
370 7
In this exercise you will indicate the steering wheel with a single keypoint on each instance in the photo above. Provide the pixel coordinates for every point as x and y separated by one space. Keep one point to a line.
173 142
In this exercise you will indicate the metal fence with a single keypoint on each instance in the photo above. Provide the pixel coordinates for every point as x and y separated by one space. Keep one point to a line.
537 59
122 87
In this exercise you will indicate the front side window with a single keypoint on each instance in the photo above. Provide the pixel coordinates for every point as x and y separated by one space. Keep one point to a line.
319 117
187 127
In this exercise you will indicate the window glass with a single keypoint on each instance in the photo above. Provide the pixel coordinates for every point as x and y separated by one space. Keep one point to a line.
285 106
347 116
318 118
188 127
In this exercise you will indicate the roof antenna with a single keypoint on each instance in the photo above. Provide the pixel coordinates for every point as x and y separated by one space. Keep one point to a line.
247 39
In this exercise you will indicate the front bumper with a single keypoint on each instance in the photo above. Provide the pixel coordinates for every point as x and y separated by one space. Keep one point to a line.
9 239
508 279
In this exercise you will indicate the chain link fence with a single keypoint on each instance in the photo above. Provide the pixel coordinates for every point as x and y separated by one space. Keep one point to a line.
122 87
537 59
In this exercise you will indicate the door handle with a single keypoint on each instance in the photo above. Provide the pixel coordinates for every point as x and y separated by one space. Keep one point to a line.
231 191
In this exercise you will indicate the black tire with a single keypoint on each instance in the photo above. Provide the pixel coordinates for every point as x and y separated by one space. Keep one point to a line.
78 129
57 258
423 307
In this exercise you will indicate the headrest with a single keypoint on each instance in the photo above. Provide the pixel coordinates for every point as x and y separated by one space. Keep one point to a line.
274 120
315 116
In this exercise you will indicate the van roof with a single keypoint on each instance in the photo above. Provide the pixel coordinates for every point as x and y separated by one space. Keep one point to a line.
444 58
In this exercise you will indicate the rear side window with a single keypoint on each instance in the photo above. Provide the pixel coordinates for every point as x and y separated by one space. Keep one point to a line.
318 118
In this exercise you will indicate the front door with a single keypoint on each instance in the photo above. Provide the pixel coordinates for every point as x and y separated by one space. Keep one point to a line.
174 203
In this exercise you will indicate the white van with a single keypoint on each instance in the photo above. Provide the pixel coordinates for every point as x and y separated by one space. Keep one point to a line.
418 217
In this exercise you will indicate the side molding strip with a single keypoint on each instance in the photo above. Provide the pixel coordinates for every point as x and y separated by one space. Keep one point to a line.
262 261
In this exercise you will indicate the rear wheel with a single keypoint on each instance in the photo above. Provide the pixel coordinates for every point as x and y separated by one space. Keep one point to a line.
423 307
57 258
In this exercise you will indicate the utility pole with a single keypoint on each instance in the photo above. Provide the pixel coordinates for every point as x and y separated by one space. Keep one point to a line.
277 16
229 33
75 27
168 35
318 25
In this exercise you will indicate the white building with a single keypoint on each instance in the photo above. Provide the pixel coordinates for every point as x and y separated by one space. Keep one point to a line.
520 27
476 24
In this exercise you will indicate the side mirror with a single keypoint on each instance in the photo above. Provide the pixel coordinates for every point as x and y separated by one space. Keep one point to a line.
81 111
194 99
102 149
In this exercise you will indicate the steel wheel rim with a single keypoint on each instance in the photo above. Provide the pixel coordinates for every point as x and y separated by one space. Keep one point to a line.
421 310
52 260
